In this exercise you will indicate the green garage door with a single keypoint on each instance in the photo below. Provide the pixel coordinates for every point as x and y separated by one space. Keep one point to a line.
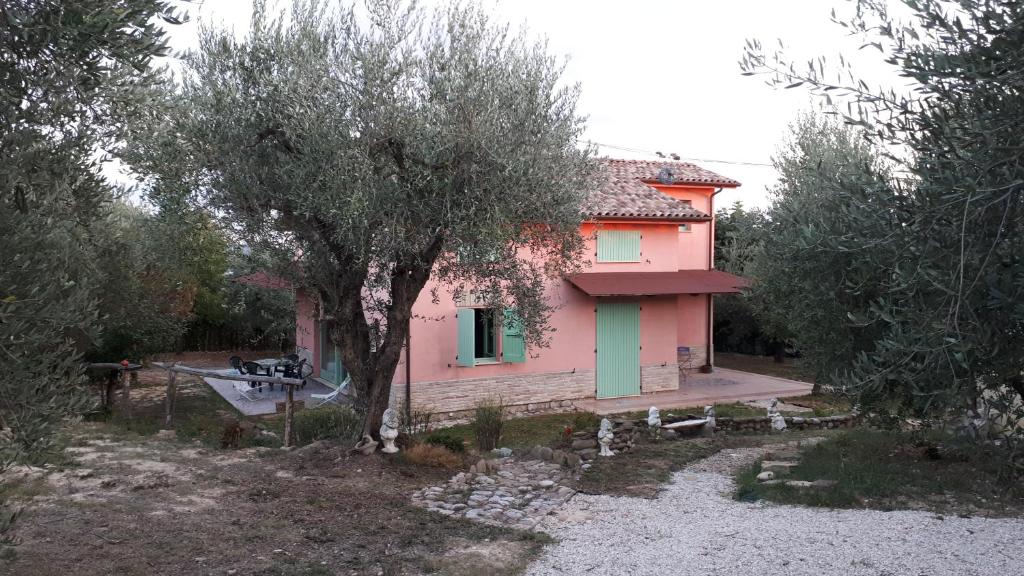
618 349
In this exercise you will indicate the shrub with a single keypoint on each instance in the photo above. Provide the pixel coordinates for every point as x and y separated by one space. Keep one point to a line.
330 423
432 455
447 439
487 423
413 422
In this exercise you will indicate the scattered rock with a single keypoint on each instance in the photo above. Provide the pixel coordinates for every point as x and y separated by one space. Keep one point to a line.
780 468
765 476
584 444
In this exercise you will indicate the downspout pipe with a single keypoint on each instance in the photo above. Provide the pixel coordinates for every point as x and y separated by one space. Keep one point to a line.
708 366
408 375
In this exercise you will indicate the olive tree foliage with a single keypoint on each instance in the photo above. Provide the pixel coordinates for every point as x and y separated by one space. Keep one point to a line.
821 262
939 257
69 71
739 234
384 147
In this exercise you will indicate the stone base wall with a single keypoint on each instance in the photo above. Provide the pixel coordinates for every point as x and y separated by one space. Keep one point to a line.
658 378
695 359
757 424
453 400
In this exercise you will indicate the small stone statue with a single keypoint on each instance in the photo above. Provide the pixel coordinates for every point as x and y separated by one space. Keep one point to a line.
778 422
605 437
389 431
654 422
709 415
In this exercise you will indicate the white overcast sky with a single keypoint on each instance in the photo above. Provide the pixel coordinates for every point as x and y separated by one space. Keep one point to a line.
663 75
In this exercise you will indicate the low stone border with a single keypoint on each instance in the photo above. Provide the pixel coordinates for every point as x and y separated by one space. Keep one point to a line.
764 424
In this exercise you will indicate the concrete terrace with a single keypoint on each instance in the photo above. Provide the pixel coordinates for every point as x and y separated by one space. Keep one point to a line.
266 401
722 386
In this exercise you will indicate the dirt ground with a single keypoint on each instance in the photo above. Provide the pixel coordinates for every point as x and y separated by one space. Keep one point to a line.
132 503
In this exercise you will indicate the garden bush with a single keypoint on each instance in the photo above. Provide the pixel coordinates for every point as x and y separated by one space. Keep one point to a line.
487 423
331 423
447 439
432 455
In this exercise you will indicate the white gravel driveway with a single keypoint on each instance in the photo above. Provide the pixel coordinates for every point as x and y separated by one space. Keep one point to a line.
694 527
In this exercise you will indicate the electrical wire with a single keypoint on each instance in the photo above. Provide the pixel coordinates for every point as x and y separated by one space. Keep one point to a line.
707 160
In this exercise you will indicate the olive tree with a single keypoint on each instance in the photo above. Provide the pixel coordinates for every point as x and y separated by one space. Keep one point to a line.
378 149
819 265
69 71
949 307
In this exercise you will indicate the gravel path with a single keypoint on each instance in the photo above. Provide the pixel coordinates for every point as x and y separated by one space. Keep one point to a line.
695 527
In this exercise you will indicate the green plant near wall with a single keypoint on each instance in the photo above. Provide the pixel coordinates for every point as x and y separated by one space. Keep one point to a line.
488 420
332 423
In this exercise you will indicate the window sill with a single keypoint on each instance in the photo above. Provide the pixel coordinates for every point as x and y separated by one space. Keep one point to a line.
485 361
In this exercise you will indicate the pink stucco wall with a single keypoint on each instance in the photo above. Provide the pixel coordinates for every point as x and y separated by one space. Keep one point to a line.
306 328
666 322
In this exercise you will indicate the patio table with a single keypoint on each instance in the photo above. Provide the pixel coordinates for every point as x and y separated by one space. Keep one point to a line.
270 364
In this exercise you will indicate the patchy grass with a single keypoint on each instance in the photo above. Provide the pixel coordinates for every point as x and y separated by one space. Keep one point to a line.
641 471
529 431
894 471
821 404
792 368
199 411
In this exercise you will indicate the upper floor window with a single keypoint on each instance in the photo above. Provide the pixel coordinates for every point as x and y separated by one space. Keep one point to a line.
618 246
684 227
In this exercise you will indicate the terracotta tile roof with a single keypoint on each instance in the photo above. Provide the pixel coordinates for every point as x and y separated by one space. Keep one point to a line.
263 279
625 194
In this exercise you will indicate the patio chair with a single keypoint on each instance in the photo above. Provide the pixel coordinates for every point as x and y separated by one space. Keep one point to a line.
236 363
245 391
287 361
255 369
332 396
300 370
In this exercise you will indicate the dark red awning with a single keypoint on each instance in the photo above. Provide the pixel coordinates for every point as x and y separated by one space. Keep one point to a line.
658 283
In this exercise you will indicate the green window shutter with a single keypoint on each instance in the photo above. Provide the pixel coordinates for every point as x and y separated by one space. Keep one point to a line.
513 346
618 246
466 349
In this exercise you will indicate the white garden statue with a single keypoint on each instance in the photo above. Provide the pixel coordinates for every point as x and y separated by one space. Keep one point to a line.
605 437
389 431
778 421
709 415
654 421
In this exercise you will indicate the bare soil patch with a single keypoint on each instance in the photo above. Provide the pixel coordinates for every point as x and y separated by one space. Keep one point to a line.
128 502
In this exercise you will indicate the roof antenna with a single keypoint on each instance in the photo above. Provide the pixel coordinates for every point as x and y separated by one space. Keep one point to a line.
665 176
674 156
659 154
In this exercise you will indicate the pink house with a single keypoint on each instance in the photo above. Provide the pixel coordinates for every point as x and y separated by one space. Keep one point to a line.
628 325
